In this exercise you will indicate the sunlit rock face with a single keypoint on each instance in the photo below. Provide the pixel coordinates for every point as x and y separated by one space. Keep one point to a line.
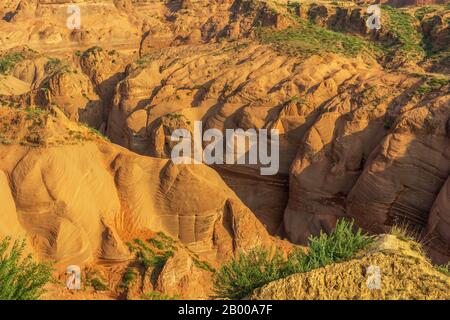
87 117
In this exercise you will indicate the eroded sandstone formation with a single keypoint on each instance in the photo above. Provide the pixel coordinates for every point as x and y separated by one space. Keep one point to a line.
363 136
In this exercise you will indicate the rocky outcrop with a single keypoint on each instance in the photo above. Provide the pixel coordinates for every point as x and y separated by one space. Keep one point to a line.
404 3
438 224
47 22
362 134
195 23
334 153
181 277
436 31
77 200
331 125
104 69
72 91
407 170
383 170
145 25
437 36
404 273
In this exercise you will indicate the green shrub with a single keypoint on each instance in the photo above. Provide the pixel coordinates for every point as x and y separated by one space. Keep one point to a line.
340 245
21 278
4 140
33 113
98 285
203 265
145 61
251 270
158 261
445 269
162 242
92 51
128 278
53 64
8 62
156 243
173 116
155 295
165 239
148 258
422 11
432 84
402 232
95 132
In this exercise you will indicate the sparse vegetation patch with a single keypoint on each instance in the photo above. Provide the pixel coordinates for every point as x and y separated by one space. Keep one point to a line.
155 295
432 84
259 266
445 269
9 61
403 26
309 38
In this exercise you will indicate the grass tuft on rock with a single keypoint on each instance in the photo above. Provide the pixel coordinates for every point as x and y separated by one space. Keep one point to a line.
9 61
444 269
